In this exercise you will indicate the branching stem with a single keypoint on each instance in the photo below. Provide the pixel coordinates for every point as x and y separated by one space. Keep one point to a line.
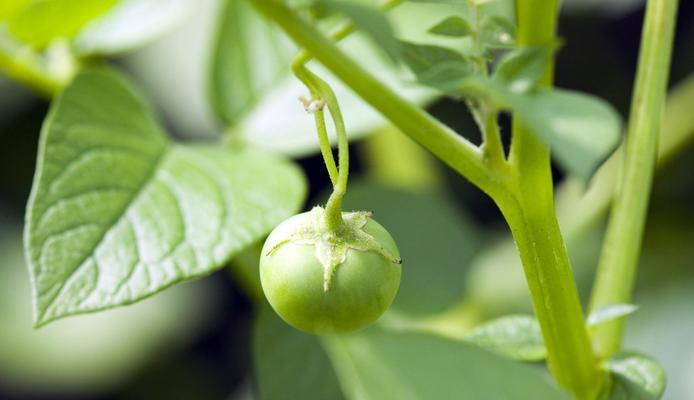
522 189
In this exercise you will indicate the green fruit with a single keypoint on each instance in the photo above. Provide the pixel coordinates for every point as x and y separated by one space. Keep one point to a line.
350 286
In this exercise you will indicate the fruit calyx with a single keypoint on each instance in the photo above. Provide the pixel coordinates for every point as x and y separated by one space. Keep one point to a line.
332 244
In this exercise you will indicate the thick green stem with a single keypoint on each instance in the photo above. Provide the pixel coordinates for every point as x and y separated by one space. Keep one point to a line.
535 229
622 246
461 155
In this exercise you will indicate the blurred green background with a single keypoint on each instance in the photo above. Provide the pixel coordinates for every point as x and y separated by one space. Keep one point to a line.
202 339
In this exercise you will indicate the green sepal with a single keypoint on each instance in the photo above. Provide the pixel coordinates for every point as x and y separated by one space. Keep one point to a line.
332 245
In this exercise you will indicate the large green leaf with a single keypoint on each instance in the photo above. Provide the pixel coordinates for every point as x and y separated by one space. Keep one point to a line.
42 21
290 364
130 24
118 213
10 8
382 365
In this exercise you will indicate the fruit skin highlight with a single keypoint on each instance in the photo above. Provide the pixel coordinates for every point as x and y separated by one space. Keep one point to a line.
314 298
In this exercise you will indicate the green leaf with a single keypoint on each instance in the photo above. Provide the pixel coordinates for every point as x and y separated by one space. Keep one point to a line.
10 8
515 336
436 239
117 213
461 3
369 20
290 364
521 69
635 377
497 32
130 24
250 57
436 66
609 313
581 130
43 21
452 26
376 364
275 119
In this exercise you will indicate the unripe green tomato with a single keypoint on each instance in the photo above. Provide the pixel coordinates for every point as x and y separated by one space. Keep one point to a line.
361 288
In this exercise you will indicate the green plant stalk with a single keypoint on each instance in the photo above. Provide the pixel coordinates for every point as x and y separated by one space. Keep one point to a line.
321 91
454 150
313 83
492 147
534 225
29 74
486 117
333 208
343 31
622 246
325 148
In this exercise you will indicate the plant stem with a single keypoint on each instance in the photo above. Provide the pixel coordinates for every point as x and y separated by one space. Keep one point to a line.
461 155
343 31
25 68
325 148
313 83
492 147
622 246
535 229
333 208
319 88
484 115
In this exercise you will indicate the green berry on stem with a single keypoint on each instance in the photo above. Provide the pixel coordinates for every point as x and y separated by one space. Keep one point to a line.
325 281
